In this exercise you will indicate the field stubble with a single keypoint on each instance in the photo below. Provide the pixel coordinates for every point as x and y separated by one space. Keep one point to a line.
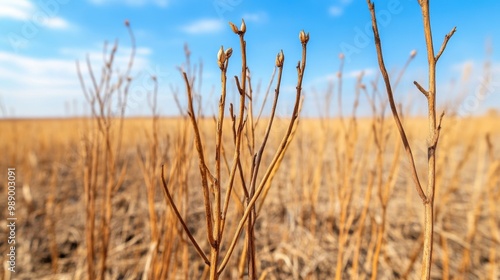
338 200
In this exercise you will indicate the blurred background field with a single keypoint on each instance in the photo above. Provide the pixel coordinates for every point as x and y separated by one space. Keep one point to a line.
297 235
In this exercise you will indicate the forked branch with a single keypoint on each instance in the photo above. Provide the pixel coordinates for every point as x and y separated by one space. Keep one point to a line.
392 104
304 38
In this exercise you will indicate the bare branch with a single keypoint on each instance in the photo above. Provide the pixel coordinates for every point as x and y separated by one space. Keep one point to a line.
179 217
445 42
392 104
202 165
438 129
282 148
422 90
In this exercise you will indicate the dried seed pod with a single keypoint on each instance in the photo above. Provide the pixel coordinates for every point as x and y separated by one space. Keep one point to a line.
228 53
243 27
221 58
234 28
304 38
280 58
413 53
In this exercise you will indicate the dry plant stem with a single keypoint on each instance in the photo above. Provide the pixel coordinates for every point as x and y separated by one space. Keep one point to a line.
361 228
100 95
493 180
202 165
300 73
273 172
218 145
250 135
238 136
174 250
493 197
473 215
255 169
398 79
237 131
445 258
433 137
91 165
392 104
214 253
428 196
383 195
344 195
50 221
340 75
148 168
258 157
265 97
179 217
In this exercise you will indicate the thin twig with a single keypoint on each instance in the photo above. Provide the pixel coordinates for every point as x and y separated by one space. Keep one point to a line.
392 104
202 165
422 90
445 42
179 217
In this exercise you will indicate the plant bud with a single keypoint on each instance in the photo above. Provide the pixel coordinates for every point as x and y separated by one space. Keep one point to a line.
413 53
228 53
234 28
280 58
221 58
341 56
304 38
243 26
127 23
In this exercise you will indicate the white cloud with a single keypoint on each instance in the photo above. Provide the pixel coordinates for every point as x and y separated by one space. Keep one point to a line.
35 80
56 23
203 26
368 72
17 10
26 82
24 10
255 17
354 74
121 58
136 3
338 10
335 11
28 77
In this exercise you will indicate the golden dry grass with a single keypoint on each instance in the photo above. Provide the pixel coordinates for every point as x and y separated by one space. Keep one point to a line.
314 208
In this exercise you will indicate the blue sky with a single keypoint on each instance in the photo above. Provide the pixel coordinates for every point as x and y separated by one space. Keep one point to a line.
41 40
